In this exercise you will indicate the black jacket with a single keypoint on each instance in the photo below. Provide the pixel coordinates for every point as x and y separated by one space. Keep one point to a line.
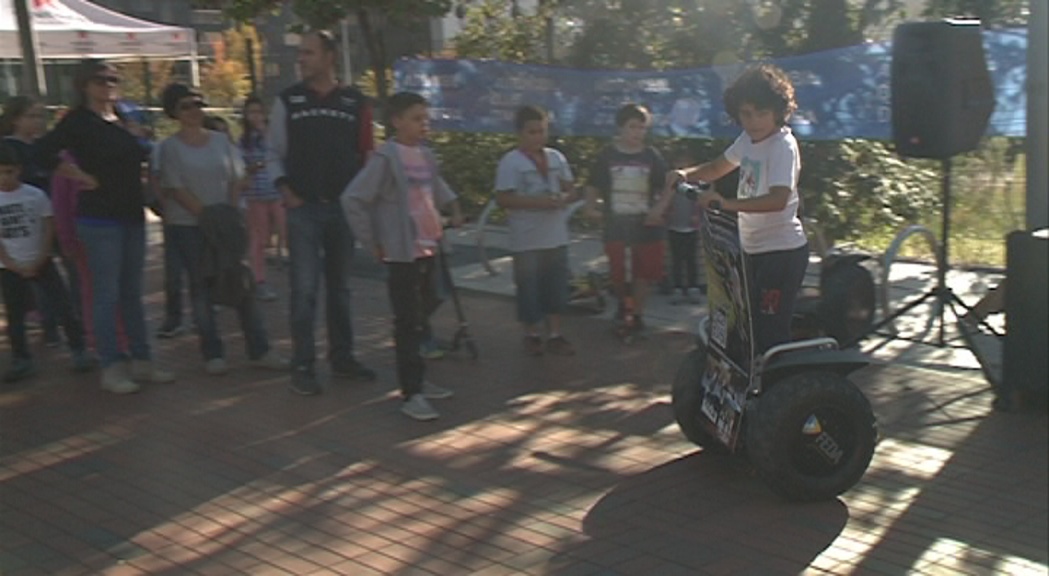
105 150
222 259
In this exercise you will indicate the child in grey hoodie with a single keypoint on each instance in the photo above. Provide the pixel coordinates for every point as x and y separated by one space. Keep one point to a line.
392 207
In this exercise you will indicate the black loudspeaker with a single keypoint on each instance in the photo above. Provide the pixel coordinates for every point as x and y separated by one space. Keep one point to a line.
1025 360
942 95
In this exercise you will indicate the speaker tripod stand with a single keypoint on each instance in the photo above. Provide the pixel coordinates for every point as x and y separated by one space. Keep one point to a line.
941 294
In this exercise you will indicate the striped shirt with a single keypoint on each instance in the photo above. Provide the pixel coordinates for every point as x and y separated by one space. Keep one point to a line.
261 186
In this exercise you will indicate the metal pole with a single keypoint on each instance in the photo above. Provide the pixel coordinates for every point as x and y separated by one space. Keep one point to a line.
1037 116
344 32
32 69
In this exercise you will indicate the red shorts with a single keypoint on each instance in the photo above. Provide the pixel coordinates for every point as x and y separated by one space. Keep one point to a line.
646 262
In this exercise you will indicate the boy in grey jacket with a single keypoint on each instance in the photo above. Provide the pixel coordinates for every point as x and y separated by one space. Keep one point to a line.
392 207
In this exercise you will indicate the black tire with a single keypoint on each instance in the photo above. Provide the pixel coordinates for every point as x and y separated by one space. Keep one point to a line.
686 397
811 436
847 304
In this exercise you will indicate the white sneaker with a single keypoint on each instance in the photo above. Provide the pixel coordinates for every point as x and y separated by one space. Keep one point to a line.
144 371
271 361
418 407
115 380
216 367
434 392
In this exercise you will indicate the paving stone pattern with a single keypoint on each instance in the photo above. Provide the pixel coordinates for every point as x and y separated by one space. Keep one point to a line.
552 465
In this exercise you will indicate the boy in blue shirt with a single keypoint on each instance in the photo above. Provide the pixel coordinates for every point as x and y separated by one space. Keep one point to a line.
534 185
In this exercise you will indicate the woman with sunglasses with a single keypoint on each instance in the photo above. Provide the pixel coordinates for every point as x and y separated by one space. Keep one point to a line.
110 220
201 169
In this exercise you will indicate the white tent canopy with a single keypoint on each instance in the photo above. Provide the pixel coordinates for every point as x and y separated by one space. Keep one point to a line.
74 29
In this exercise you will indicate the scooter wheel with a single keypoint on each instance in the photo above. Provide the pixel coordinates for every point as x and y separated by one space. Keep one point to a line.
686 396
811 436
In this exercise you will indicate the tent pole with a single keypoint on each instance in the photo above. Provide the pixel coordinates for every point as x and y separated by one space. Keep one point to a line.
32 69
347 70
194 63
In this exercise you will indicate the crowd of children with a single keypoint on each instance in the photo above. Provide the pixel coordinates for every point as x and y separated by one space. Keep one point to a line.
393 206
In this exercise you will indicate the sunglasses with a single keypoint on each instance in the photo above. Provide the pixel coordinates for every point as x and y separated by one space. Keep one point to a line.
110 80
198 104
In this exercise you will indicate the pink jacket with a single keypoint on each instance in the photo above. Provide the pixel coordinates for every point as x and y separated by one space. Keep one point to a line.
64 192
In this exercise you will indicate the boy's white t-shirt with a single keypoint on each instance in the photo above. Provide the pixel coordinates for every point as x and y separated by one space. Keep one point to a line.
534 229
22 213
775 161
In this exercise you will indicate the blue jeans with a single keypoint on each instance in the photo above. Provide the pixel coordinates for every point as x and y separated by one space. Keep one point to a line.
174 264
116 254
188 244
320 241
541 277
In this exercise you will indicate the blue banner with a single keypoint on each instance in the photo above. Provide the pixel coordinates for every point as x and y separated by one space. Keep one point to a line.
842 93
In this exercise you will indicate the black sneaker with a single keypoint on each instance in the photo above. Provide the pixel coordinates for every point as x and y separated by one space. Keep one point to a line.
20 368
353 370
304 382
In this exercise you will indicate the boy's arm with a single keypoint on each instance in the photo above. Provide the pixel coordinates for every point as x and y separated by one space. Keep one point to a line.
9 262
592 211
571 194
186 199
658 210
357 199
707 171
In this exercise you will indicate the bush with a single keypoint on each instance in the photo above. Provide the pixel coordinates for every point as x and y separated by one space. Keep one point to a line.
858 190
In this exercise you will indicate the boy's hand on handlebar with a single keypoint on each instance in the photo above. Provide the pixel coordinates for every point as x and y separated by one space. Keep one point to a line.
675 176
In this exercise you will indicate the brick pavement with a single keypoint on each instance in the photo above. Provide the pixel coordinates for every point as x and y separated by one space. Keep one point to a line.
537 466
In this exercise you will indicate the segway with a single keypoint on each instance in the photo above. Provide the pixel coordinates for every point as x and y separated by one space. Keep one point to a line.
807 430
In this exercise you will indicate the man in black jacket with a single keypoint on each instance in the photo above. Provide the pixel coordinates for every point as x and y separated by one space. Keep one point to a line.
320 136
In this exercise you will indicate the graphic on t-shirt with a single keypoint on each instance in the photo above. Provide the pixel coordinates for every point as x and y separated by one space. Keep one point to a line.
749 176
16 221
420 198
630 188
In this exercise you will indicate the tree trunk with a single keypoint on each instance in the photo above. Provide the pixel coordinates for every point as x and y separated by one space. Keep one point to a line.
376 45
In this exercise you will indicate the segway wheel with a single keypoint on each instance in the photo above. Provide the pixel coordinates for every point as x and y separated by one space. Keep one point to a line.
847 302
685 398
811 436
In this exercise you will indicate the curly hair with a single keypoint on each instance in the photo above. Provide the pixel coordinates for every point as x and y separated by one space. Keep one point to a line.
766 87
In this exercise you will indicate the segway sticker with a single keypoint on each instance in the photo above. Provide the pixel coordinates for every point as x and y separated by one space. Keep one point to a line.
730 350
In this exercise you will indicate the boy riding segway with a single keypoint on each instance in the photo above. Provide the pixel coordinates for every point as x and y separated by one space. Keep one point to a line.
809 432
